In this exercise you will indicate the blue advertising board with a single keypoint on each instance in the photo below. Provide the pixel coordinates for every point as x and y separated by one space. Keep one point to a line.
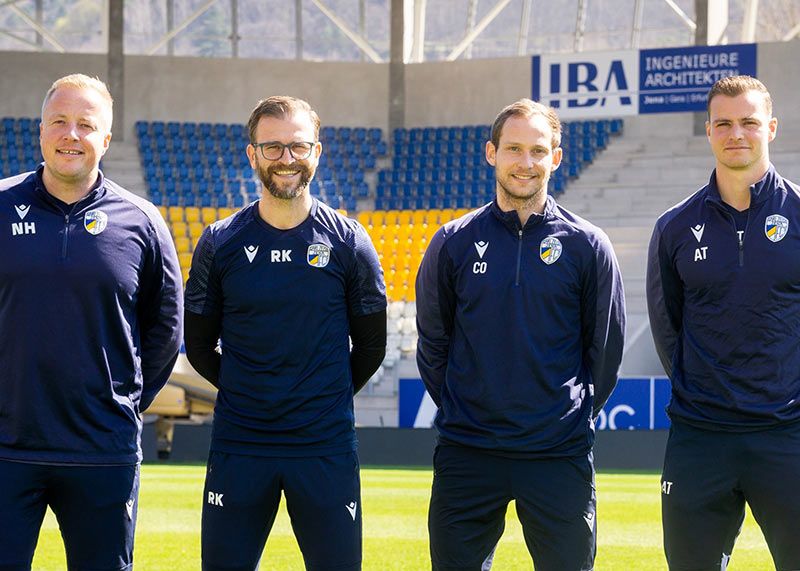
630 82
678 79
637 403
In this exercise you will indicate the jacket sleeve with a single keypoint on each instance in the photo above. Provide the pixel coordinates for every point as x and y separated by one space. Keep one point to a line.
605 311
203 306
160 311
201 337
368 335
664 299
435 314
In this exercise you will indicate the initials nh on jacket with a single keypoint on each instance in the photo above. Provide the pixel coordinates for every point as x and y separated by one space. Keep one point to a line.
21 228
280 256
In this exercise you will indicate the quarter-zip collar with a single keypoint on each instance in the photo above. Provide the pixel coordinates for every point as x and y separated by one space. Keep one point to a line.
95 193
510 219
759 191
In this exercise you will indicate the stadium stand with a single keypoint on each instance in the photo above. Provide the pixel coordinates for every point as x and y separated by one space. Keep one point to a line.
19 145
204 164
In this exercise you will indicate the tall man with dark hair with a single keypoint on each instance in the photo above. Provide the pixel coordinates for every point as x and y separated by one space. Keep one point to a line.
286 284
521 319
90 315
723 291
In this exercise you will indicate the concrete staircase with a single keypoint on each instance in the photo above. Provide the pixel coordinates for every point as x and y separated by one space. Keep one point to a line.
653 166
121 164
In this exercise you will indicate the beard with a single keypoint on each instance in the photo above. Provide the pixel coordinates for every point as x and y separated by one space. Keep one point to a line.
284 191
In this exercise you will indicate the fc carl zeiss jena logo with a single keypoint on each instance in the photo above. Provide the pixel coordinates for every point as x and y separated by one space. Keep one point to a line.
318 255
95 221
550 250
776 227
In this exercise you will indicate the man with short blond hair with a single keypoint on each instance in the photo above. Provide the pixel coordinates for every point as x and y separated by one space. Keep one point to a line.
723 292
90 310
521 319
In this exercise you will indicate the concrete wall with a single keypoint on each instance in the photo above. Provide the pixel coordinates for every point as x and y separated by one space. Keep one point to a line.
195 89
466 92
613 450
438 93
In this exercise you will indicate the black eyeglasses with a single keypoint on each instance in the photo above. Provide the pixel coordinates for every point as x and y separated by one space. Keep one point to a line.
273 150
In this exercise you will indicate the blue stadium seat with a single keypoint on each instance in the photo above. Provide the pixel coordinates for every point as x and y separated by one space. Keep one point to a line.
327 134
343 133
374 135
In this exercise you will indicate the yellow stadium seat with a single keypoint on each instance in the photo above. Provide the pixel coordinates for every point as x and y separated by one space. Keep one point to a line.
364 218
404 217
182 244
446 215
191 214
390 291
179 229
185 274
208 214
194 243
461 212
224 212
377 218
163 211
175 213
432 217
390 218
418 217
185 259
195 229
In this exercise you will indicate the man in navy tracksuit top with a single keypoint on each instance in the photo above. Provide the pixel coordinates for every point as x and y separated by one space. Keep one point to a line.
723 289
285 285
90 315
521 318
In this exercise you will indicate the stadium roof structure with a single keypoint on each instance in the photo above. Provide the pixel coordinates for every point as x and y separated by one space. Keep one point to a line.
361 30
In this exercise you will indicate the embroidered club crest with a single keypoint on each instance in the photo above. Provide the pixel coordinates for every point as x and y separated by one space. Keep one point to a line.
95 221
550 250
318 255
776 227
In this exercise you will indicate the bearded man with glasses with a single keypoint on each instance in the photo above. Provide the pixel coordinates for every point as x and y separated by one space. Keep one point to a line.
286 284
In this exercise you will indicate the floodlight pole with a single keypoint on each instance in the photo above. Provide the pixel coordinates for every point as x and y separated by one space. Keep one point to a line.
116 63
580 25
522 43
397 77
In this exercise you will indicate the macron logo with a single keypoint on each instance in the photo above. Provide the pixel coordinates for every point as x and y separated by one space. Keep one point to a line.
698 231
481 247
352 507
250 252
22 210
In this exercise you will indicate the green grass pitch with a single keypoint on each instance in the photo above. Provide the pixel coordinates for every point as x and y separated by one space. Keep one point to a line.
395 505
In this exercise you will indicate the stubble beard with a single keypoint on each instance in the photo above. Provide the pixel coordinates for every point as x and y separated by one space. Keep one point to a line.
522 202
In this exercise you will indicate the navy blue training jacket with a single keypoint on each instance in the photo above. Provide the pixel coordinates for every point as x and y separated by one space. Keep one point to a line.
521 330
90 321
285 298
725 309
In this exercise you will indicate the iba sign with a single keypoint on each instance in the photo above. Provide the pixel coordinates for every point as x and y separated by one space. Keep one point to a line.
616 84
